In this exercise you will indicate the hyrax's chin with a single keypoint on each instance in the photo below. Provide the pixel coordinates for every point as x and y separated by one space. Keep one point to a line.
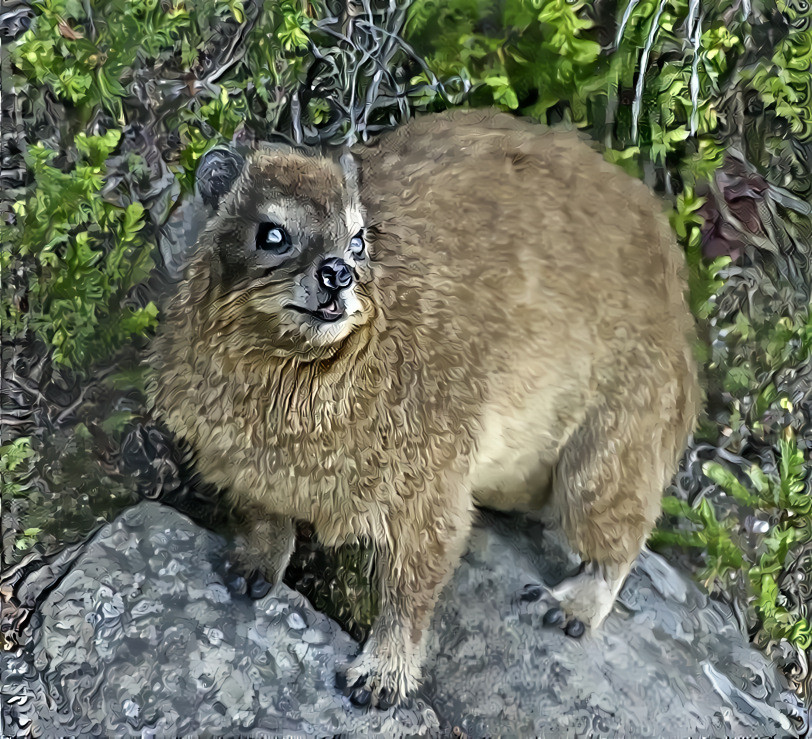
331 311
310 327
330 321
327 325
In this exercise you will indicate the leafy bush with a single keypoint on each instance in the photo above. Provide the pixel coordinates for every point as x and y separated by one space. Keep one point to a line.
752 543
88 255
543 58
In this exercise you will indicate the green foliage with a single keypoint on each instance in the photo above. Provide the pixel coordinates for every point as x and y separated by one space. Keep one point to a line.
86 67
16 463
254 92
514 50
12 456
83 253
784 84
747 359
542 58
87 251
704 281
782 502
61 488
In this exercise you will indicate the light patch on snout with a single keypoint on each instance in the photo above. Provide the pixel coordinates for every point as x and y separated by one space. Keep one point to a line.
352 304
353 210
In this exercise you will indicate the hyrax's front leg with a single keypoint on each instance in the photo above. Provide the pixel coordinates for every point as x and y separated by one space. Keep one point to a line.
411 572
264 544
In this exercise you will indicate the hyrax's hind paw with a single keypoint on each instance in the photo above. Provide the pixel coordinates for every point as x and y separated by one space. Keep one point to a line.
554 615
361 694
581 601
261 554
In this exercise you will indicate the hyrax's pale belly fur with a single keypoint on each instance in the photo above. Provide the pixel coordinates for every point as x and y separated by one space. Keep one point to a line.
525 341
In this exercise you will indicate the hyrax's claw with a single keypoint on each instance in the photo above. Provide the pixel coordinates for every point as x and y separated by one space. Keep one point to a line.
383 700
233 575
575 629
258 586
531 593
554 617
341 682
236 584
360 697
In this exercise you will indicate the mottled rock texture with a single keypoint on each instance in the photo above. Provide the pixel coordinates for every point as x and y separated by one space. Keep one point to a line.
142 637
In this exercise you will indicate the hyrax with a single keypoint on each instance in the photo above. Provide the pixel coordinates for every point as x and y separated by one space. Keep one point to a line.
472 311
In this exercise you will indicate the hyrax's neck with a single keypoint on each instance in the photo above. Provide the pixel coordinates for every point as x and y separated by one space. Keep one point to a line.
297 395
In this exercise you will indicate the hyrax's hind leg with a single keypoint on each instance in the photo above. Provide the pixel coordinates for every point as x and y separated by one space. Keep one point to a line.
607 488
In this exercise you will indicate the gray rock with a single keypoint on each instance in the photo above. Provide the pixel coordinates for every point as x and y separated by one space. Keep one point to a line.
141 637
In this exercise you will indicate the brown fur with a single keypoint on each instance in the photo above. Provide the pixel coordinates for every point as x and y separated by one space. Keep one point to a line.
520 337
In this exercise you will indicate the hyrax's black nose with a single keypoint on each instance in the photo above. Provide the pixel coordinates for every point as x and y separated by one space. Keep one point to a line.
334 274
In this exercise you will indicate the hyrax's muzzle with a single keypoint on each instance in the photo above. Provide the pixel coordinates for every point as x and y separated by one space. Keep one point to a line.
333 276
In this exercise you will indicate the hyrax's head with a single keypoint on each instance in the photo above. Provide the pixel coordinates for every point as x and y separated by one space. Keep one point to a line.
287 254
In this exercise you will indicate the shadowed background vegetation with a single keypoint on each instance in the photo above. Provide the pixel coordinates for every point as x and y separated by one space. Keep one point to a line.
109 106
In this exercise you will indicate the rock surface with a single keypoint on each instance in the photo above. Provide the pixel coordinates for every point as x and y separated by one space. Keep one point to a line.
142 637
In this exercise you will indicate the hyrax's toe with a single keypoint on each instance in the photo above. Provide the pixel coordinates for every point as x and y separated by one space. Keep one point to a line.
234 575
361 697
555 617
383 700
236 583
258 586
575 629
531 593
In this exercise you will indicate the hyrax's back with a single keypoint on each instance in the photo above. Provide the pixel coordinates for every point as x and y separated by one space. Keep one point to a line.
560 275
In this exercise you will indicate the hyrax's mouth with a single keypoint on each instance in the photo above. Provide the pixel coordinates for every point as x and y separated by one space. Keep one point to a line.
328 312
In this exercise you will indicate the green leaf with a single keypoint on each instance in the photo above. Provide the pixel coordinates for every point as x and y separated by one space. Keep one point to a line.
14 454
726 480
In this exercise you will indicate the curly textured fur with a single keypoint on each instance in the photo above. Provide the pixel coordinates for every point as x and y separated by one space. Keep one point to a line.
517 336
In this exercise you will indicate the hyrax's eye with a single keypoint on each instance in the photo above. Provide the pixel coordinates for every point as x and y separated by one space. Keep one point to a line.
272 238
357 244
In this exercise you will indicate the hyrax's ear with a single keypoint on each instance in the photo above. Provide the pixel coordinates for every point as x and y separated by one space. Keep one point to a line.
216 173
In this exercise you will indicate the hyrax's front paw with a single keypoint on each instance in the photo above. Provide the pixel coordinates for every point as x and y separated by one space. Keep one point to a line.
244 578
261 554
380 677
